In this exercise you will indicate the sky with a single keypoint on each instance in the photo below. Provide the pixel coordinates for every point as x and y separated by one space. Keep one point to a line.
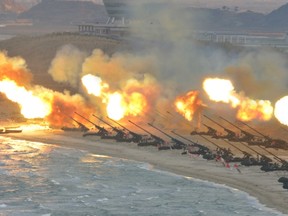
262 6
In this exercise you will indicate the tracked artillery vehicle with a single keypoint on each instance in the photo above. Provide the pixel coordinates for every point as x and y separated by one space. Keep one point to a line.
211 131
81 127
245 136
151 140
190 148
230 134
248 160
135 137
226 154
260 160
177 144
281 165
120 135
101 130
269 142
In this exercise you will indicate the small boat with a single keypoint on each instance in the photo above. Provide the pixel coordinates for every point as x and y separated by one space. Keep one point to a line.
5 131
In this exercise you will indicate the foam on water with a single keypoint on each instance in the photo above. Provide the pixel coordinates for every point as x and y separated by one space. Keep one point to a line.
40 179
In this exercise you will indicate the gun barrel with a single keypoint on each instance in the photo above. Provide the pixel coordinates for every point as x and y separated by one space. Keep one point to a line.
79 123
247 146
195 144
84 118
102 121
120 125
183 137
209 127
131 132
160 130
213 121
230 123
210 141
140 127
97 126
275 156
242 131
254 129
152 135
230 132
114 128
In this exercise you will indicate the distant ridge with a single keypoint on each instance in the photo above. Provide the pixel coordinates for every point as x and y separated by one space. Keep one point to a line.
76 12
277 19
65 12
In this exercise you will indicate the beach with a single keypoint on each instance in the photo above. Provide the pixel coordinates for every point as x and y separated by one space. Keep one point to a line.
259 184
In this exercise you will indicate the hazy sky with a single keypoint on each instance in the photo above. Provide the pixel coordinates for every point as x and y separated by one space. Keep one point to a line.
263 6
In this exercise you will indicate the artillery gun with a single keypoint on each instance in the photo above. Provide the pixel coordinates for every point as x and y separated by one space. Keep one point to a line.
81 127
120 134
246 136
274 166
177 143
202 149
270 142
135 136
226 154
101 130
153 140
230 134
211 131
248 160
258 161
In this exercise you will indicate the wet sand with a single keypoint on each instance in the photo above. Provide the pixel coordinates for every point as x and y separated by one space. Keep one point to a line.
262 185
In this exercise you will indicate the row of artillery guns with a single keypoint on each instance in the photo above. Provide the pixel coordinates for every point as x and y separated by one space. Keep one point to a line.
123 134
249 140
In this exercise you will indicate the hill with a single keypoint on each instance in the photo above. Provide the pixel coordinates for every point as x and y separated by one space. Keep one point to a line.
59 12
65 12
277 19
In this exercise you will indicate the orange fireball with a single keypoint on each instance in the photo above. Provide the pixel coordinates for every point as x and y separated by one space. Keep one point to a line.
118 104
188 104
222 90
31 105
281 108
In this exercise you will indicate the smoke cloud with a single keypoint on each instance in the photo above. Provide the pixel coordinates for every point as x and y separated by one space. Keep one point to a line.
166 61
14 68
260 74
66 66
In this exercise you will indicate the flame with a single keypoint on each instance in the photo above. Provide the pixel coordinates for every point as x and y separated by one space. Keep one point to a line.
94 84
251 109
188 104
31 105
222 90
280 111
116 107
121 105
118 104
137 104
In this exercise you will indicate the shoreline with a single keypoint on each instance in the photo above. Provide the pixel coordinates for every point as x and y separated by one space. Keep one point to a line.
263 186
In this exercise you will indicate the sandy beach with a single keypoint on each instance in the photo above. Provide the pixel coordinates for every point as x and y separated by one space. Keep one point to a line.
262 185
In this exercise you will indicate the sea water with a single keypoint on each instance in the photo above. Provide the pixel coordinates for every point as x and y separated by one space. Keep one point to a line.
47 180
